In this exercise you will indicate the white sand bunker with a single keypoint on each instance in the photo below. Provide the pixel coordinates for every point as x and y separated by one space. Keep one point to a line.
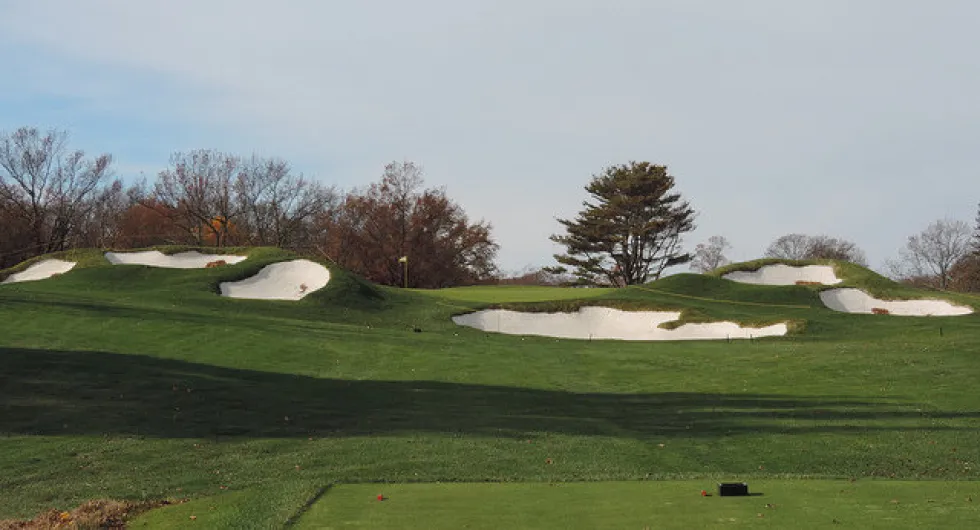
858 301
41 270
181 260
786 275
608 323
287 280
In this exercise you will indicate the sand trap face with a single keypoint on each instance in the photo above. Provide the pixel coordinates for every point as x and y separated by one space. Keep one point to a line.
858 301
181 260
41 270
786 275
608 323
288 280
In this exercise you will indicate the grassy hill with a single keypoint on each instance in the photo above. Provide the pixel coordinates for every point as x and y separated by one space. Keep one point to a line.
137 383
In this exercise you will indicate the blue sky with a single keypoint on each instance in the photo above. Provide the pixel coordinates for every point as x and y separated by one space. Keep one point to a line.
855 119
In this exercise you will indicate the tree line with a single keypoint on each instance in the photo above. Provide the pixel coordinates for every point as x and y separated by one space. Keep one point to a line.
53 198
629 231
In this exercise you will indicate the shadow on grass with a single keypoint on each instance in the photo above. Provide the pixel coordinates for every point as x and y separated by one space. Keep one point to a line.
286 317
65 392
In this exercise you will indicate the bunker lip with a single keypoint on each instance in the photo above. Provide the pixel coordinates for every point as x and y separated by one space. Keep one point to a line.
858 301
780 274
181 260
285 280
608 323
41 270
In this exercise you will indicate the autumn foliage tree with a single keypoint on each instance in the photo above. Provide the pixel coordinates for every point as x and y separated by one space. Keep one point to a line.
148 222
631 231
397 217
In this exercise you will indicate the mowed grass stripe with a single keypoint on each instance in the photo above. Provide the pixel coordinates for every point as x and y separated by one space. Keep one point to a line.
719 300
802 504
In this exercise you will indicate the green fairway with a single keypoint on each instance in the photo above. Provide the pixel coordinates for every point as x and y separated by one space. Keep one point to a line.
137 383
494 294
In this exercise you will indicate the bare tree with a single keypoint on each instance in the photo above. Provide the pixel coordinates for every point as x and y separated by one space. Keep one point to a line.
711 255
933 252
789 246
48 187
277 207
198 193
825 247
102 227
15 236
803 247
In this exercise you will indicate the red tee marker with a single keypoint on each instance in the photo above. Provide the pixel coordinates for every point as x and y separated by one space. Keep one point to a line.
704 493
381 497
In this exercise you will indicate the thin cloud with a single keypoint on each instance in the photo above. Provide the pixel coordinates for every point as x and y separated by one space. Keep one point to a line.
834 117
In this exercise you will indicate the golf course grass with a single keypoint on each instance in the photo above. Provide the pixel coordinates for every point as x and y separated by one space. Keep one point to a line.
140 383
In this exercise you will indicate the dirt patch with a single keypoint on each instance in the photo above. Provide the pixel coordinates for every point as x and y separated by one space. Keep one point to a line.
102 514
880 311
213 264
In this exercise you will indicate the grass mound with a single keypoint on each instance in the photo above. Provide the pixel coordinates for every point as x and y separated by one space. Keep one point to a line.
854 276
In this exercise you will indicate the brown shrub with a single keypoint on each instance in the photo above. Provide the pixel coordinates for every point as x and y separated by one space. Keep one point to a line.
213 264
101 514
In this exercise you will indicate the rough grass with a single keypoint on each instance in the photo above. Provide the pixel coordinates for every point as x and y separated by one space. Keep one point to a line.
141 384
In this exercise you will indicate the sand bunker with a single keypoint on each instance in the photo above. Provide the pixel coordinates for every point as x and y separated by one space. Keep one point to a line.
287 280
858 301
181 260
786 275
41 270
608 323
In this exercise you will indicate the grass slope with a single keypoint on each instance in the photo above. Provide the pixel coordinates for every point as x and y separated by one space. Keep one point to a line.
136 383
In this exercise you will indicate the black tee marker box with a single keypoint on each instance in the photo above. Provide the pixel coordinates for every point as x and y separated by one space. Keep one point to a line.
733 489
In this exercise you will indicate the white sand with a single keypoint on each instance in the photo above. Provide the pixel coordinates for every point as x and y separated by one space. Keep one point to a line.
181 260
858 301
607 323
41 270
286 280
786 275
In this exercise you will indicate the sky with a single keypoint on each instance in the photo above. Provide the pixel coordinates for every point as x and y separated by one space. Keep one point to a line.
854 119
